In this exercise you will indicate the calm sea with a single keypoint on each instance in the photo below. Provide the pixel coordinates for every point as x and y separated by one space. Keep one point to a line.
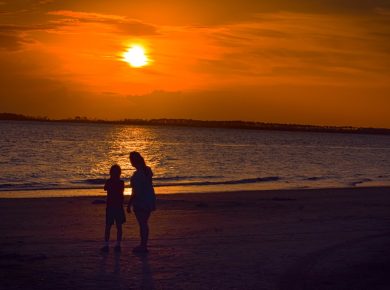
38 156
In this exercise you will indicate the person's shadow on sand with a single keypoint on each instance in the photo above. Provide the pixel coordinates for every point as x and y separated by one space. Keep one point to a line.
117 264
109 274
147 281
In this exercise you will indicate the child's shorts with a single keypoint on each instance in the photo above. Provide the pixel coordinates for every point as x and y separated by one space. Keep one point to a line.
115 215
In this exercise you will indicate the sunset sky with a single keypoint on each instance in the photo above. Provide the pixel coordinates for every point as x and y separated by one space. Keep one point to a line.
302 61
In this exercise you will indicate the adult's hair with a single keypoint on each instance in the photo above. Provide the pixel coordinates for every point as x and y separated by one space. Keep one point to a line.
115 171
137 160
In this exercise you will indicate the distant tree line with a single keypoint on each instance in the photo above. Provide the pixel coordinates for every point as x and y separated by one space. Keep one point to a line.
207 124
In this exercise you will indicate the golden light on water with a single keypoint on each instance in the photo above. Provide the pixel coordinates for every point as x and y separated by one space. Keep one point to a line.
121 142
136 56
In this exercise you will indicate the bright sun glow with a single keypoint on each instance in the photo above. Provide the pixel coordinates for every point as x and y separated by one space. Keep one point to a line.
136 56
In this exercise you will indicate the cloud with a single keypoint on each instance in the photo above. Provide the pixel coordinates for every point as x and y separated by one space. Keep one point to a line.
382 11
10 42
15 28
320 105
121 23
298 48
282 103
24 7
136 28
13 37
43 2
87 16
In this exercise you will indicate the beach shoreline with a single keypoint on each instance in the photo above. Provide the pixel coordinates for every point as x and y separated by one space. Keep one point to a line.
99 192
273 239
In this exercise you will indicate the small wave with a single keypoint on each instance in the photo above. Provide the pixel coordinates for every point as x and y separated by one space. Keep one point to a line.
176 178
95 181
25 185
314 178
227 182
6 185
355 183
100 181
29 186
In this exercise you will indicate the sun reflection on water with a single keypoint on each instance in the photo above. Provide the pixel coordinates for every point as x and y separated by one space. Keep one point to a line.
121 141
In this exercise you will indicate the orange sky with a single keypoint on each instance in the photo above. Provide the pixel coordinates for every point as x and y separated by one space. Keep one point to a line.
326 62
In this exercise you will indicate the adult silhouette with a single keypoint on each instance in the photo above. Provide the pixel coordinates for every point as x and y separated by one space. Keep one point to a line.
142 199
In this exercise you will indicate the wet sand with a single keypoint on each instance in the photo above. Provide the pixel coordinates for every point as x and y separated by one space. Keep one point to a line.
292 239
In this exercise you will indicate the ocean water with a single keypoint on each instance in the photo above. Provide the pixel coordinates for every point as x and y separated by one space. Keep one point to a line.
38 156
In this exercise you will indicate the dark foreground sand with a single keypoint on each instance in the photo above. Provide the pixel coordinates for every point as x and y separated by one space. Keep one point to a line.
301 239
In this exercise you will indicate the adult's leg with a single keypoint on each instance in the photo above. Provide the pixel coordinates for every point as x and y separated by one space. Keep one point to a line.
119 233
142 218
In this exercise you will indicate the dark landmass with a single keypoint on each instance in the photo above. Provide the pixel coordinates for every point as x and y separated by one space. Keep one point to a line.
208 124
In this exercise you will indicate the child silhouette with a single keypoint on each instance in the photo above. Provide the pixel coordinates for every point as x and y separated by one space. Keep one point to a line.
114 210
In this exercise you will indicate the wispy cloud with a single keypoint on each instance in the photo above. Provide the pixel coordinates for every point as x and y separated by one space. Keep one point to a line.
10 42
88 16
15 27
383 11
298 47
13 37
121 23
43 2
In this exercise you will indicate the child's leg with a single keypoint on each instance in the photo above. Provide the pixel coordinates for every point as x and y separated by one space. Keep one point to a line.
109 223
107 233
106 238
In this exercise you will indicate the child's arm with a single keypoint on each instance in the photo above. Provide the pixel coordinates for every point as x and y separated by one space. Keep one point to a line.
122 190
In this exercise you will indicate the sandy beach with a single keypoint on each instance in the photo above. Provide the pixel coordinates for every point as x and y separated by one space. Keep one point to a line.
292 239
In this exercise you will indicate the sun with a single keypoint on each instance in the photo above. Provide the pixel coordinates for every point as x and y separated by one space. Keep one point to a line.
136 56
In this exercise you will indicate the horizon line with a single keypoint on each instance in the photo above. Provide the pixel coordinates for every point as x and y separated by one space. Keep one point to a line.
233 124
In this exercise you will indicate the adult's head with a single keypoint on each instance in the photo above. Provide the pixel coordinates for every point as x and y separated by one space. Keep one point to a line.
115 171
137 160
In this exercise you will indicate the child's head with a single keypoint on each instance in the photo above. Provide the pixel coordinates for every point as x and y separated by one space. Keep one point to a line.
115 171
137 160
